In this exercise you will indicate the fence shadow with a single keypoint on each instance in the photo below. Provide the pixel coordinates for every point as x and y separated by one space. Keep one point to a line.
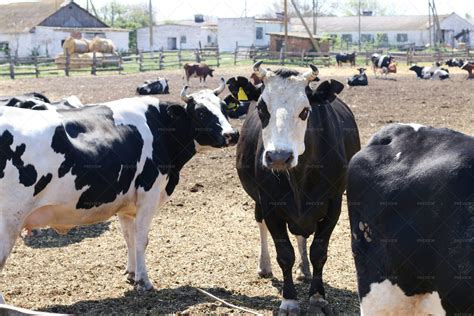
49 238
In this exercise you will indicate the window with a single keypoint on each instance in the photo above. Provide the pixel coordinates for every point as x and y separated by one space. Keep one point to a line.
382 38
402 37
259 32
366 38
347 38
3 46
209 39
182 40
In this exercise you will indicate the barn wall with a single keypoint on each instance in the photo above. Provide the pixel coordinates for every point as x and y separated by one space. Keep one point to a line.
232 30
456 24
161 34
72 15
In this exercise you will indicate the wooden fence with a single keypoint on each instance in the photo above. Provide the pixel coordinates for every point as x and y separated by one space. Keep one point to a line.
141 62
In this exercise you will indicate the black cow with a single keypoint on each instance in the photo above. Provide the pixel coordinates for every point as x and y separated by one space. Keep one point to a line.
411 206
453 62
159 86
359 79
346 58
291 159
242 93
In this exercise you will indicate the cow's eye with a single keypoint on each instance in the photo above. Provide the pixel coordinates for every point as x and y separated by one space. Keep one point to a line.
304 114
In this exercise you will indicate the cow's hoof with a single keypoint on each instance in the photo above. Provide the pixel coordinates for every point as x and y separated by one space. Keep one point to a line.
289 308
142 286
265 274
319 306
130 277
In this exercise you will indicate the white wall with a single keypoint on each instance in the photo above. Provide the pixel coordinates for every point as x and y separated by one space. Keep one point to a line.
456 23
420 38
267 27
161 33
232 30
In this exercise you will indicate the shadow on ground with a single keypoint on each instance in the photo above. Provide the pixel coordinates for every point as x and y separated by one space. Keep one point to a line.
49 238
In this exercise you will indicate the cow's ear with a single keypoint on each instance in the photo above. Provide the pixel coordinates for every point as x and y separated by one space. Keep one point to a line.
176 111
231 81
328 90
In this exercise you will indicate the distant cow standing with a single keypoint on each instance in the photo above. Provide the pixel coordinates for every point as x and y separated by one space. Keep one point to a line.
346 58
200 70
159 86
359 79
383 62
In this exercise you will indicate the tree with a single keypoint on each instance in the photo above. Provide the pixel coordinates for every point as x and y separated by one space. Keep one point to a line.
132 17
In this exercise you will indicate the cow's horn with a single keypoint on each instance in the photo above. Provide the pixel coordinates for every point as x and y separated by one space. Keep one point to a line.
259 71
221 87
311 74
186 98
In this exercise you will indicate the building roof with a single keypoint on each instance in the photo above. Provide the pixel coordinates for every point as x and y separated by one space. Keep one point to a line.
206 23
24 16
337 24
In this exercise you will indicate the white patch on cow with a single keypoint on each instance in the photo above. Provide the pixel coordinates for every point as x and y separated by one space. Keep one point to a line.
397 156
365 229
264 263
285 99
2 299
213 104
289 305
415 126
386 298
303 271
163 83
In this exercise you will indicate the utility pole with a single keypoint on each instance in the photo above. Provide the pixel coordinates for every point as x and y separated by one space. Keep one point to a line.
359 25
151 26
285 5
315 17
429 22
313 41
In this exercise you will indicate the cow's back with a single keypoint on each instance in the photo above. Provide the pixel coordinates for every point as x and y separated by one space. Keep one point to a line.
410 202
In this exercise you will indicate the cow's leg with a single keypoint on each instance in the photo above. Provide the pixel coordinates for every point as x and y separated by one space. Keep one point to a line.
9 231
127 224
303 272
264 263
318 256
286 260
145 211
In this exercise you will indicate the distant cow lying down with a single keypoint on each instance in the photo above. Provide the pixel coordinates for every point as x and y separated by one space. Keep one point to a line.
359 79
38 101
159 86
200 70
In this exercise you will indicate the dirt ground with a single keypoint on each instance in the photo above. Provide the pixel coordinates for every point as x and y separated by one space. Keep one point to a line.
206 237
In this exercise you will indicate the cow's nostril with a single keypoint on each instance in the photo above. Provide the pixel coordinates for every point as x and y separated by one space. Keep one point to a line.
289 159
268 157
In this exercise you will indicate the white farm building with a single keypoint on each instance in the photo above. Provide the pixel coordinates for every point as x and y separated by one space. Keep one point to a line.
29 28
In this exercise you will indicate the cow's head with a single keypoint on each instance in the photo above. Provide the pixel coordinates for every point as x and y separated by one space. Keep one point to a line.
361 70
284 107
210 72
209 121
242 89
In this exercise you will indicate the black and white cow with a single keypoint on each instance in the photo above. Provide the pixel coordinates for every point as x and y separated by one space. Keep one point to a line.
242 93
159 86
435 72
38 101
346 58
453 62
291 159
411 207
82 166
381 62
359 79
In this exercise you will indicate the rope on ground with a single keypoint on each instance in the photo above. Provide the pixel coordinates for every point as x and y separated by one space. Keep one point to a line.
228 304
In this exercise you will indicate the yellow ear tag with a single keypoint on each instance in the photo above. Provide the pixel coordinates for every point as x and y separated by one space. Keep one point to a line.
241 95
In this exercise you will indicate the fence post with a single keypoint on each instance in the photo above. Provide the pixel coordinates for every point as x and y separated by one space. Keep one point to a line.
140 61
218 56
68 63
120 65
236 52
161 56
179 58
35 60
12 66
282 56
302 57
94 64
366 57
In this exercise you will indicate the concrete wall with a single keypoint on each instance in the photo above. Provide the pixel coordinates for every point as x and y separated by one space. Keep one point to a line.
420 38
268 27
49 40
454 24
162 33
232 30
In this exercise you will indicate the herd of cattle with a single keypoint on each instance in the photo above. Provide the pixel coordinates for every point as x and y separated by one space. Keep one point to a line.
410 191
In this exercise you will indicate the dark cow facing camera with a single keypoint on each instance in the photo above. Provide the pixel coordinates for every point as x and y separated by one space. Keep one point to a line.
159 86
359 79
200 70
410 194
292 155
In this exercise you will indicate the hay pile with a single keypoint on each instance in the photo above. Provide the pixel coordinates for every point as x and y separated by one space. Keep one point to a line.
81 52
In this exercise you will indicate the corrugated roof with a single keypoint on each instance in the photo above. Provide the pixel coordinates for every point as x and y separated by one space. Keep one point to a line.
23 16
336 24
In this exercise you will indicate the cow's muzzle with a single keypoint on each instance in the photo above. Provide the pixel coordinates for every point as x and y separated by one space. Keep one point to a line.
279 159
231 138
